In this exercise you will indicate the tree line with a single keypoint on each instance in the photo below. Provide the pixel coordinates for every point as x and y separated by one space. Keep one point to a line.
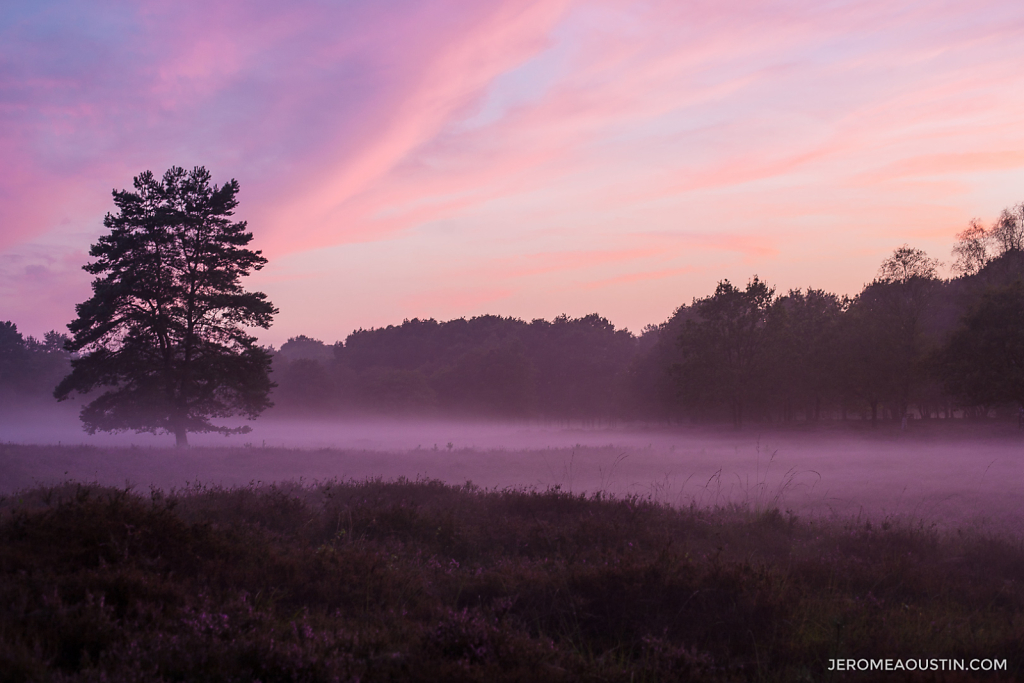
487 366
30 368
910 345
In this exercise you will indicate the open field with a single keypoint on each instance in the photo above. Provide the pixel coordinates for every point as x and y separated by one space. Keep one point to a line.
942 473
358 552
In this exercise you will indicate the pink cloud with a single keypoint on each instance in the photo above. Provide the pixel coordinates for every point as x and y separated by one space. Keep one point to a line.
527 265
954 163
447 83
643 276
551 138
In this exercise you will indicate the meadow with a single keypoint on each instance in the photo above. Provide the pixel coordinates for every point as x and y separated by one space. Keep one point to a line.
952 473
641 556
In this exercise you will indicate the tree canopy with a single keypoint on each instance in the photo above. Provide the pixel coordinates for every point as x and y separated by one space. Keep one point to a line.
29 367
163 337
725 347
983 361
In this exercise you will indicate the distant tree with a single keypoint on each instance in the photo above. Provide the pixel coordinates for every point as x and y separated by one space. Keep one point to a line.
982 363
304 385
887 347
498 382
54 342
972 249
303 347
907 263
805 357
396 392
725 349
163 335
868 362
29 368
13 356
654 390
49 362
414 344
581 365
977 246
489 365
1008 232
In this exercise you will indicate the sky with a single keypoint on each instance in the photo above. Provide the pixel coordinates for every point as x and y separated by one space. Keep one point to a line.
452 158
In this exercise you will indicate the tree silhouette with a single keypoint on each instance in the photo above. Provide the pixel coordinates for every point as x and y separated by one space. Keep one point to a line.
907 263
725 348
982 363
805 351
972 249
1008 232
163 332
885 333
976 247
13 358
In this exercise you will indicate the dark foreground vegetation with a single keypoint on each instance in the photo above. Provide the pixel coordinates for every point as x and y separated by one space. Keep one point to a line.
380 581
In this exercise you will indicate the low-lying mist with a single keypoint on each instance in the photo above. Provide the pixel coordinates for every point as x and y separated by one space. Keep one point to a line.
937 473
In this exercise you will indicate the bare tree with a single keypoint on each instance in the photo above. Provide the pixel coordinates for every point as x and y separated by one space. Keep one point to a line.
1008 232
976 247
907 263
973 249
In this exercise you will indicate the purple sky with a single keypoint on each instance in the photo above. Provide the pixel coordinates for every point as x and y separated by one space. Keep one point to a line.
447 158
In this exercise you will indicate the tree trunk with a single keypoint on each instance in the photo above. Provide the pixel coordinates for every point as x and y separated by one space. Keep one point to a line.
180 437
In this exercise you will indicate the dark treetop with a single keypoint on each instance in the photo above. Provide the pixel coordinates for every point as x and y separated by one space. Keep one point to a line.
164 331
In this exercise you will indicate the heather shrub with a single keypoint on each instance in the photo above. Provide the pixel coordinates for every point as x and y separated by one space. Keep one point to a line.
418 580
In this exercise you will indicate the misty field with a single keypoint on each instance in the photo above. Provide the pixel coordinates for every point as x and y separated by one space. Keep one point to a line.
951 473
482 552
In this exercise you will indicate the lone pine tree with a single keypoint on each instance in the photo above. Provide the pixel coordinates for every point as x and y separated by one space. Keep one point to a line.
163 336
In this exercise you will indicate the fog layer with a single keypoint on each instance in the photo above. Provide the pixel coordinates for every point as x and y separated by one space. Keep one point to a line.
934 474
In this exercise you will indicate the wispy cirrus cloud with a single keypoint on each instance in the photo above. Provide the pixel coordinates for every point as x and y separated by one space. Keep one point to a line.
526 148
